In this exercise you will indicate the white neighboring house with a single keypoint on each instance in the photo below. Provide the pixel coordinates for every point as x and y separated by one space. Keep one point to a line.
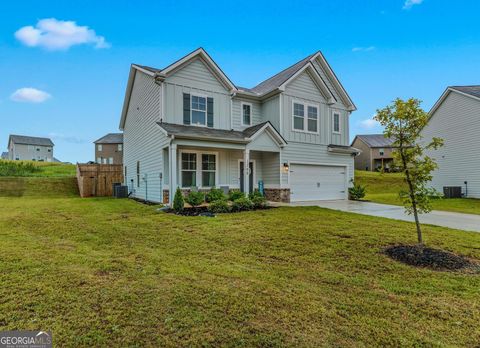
188 125
27 148
455 118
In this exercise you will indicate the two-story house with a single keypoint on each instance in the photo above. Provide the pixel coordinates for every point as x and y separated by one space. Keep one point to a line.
376 152
26 148
188 125
109 149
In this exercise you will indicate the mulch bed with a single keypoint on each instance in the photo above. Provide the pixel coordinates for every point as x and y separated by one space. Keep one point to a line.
435 259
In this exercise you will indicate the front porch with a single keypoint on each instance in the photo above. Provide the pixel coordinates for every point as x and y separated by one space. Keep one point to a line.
203 166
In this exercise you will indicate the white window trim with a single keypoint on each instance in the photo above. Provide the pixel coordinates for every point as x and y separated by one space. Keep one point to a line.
241 113
305 117
199 168
339 122
206 110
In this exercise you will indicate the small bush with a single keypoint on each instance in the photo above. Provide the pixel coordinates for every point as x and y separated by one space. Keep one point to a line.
259 202
195 198
357 192
178 201
215 194
219 206
242 204
254 194
234 195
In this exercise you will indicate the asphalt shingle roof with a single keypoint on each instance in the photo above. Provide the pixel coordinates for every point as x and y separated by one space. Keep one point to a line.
471 90
110 138
212 133
23 139
4 155
376 140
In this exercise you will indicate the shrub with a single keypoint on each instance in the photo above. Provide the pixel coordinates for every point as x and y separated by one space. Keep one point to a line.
195 198
241 204
178 201
18 168
259 202
219 206
215 194
236 194
357 192
254 194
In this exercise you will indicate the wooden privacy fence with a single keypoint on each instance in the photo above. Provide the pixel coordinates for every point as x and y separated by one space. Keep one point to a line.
98 179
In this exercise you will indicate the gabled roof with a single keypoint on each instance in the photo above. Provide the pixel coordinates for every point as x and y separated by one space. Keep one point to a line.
110 138
28 140
213 134
262 90
374 140
468 91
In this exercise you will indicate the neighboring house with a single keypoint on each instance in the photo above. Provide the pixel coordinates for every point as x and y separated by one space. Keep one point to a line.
376 152
109 149
26 148
188 125
4 155
455 118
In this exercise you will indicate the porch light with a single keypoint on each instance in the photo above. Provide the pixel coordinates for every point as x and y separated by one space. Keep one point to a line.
286 167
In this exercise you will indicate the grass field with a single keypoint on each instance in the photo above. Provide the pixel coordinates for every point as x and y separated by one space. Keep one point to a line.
384 188
107 272
42 169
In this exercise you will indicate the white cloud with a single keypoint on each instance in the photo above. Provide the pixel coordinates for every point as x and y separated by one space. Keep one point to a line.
54 34
410 3
363 49
369 123
29 95
66 138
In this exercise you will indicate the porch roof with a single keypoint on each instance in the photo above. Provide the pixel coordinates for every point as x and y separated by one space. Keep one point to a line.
212 134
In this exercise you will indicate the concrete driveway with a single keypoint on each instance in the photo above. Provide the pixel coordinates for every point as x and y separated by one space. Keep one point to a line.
467 222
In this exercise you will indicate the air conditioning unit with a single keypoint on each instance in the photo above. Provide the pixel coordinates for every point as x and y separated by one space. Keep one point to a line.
452 191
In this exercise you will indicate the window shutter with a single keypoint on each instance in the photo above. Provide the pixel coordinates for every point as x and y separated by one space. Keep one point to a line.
186 108
209 112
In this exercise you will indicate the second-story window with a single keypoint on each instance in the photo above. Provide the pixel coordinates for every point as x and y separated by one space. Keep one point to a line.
336 122
119 147
305 117
199 110
246 114
99 147
298 116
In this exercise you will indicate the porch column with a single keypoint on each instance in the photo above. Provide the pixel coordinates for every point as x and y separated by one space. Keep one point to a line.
172 161
246 171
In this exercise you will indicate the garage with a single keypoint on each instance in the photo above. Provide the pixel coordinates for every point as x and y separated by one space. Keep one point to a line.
317 182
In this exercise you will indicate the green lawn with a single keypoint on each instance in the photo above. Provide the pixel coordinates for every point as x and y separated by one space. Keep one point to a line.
46 169
108 272
384 188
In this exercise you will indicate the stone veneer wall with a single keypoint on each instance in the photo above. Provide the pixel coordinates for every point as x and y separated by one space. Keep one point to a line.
277 195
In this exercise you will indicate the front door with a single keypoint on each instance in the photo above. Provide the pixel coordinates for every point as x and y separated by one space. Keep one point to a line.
250 178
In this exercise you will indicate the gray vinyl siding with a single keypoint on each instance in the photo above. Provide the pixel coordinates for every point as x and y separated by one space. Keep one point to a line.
271 111
457 122
195 78
303 90
314 154
237 115
271 169
143 140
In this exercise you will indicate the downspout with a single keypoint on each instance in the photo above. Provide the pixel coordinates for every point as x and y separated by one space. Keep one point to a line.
233 95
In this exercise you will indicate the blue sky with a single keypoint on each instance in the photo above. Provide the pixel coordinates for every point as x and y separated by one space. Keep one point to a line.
380 50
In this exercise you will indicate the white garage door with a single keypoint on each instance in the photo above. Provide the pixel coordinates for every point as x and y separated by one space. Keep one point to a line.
315 182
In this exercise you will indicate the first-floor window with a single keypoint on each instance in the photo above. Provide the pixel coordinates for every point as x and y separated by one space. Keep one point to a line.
189 169
110 160
99 160
208 170
198 169
336 122
138 173
382 152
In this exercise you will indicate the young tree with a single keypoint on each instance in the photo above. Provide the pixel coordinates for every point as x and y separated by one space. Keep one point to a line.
403 121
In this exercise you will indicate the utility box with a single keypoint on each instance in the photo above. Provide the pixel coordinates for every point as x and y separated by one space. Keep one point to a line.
121 191
452 191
